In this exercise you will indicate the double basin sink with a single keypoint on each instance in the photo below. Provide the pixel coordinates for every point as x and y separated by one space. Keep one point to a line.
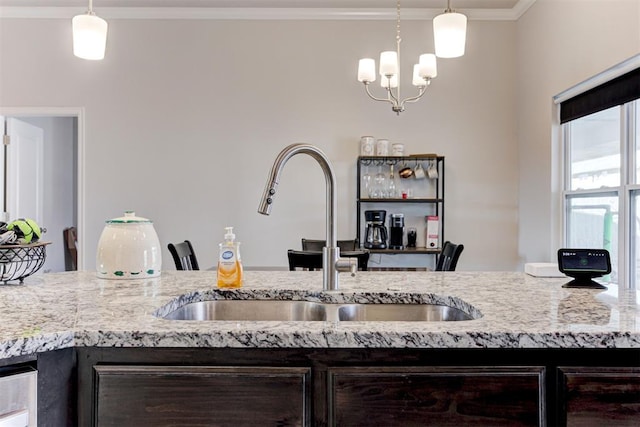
284 310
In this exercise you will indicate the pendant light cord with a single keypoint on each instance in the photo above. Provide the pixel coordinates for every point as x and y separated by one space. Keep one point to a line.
398 40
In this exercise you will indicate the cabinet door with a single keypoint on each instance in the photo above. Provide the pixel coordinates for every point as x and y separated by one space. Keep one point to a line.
194 395
449 396
592 396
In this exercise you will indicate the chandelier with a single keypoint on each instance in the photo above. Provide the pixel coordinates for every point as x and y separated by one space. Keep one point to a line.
446 30
89 35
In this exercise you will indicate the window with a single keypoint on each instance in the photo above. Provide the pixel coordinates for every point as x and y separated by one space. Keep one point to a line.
601 190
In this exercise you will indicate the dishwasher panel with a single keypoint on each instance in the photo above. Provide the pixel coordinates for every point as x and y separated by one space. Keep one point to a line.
18 397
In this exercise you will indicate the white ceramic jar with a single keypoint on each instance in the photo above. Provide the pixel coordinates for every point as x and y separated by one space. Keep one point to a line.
367 144
397 149
128 248
382 147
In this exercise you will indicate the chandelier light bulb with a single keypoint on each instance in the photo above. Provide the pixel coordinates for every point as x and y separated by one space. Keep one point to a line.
367 70
417 80
428 66
89 35
388 63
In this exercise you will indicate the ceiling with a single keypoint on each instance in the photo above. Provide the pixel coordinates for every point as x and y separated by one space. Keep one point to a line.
264 9
420 4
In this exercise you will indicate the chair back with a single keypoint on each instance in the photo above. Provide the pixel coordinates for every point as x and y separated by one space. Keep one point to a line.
317 245
448 259
312 260
306 260
70 235
183 256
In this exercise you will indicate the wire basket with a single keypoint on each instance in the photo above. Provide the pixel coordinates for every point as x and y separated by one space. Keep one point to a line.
20 261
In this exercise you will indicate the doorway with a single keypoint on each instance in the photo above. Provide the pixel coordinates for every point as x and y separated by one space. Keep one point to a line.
60 171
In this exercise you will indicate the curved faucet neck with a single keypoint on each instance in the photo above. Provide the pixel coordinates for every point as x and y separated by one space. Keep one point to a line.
331 261
329 176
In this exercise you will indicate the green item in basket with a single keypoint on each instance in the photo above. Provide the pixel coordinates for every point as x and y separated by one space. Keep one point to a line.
26 229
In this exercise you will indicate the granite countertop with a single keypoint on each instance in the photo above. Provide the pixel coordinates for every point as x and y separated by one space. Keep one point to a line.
511 310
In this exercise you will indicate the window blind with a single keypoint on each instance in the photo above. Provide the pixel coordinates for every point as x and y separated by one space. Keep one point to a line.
618 91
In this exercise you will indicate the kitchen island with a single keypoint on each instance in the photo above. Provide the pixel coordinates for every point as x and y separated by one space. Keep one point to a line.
541 347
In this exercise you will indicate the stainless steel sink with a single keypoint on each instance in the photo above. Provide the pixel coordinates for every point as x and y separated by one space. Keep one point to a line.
249 310
400 313
255 310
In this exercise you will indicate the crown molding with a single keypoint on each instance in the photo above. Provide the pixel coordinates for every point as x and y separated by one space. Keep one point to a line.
251 13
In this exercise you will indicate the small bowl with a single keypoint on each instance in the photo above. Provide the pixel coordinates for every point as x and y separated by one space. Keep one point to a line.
406 172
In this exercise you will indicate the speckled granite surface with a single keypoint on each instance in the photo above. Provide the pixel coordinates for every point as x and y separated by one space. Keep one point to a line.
511 310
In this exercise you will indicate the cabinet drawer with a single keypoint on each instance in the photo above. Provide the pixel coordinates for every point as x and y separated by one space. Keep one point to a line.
598 396
198 395
448 396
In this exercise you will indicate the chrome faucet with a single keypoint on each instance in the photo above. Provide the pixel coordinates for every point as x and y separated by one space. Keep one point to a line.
331 261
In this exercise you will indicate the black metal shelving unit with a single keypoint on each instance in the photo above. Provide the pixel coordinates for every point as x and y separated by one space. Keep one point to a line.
437 202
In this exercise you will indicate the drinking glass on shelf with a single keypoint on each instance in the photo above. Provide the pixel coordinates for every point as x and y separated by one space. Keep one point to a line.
391 187
380 187
366 182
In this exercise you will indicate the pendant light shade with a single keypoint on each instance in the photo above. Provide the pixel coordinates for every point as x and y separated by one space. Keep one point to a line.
449 34
89 36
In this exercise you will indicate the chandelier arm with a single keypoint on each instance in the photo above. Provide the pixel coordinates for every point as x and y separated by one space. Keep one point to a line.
392 98
366 86
423 90
413 99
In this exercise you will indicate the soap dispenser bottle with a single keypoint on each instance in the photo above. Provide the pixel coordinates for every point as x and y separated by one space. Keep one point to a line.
229 264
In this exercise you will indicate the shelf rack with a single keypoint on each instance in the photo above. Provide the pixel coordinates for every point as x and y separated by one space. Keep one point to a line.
437 201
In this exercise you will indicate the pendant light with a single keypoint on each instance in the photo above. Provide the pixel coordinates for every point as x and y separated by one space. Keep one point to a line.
89 35
449 33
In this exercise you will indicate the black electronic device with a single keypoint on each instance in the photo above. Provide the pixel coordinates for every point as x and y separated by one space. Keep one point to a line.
583 265
396 231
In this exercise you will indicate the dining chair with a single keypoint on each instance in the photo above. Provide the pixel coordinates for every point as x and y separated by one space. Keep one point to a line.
448 259
312 260
184 256
306 260
70 235
317 245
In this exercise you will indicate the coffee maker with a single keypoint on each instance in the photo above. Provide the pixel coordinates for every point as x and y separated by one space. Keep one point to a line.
396 239
375 235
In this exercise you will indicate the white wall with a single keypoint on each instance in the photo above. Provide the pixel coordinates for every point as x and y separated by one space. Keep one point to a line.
59 186
560 43
184 118
211 102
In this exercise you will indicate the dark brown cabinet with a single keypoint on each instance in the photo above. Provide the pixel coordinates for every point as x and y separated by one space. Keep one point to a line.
597 396
357 386
422 396
200 395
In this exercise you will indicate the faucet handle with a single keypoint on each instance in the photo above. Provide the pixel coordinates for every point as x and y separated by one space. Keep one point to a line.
347 264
